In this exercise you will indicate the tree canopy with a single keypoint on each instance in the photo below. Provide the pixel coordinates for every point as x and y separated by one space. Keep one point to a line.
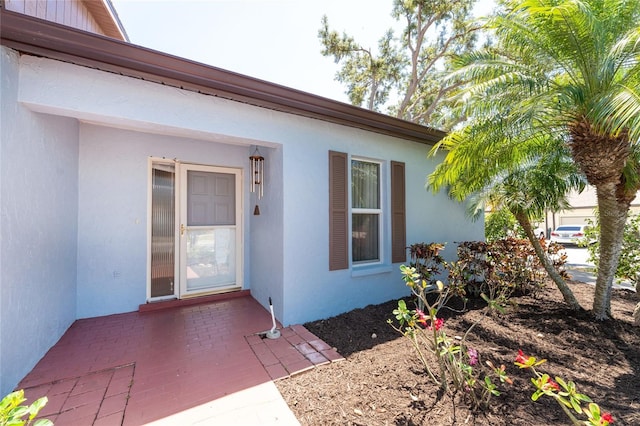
565 72
406 72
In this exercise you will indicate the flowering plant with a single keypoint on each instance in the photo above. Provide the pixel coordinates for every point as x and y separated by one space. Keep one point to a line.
457 364
13 412
564 393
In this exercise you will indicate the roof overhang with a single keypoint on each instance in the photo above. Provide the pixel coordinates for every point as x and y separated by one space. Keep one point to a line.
35 36
106 16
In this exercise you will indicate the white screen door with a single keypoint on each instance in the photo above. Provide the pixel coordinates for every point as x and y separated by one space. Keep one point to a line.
210 234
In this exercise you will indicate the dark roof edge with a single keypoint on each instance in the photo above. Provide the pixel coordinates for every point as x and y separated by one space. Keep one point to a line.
48 39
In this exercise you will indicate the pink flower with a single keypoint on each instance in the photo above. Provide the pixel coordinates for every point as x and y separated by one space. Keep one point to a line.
422 318
438 323
473 356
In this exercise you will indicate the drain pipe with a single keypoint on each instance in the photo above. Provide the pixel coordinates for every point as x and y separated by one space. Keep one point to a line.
273 333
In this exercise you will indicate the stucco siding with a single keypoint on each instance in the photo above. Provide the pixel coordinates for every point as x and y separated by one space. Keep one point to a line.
38 229
311 290
286 246
113 212
266 246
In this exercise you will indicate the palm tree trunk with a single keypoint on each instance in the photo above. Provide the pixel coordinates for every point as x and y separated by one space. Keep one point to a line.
613 212
567 294
636 311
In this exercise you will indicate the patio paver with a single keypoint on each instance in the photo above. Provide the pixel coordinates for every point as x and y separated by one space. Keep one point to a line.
137 368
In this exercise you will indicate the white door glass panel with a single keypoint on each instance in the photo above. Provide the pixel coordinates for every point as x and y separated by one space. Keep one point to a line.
209 231
163 231
210 258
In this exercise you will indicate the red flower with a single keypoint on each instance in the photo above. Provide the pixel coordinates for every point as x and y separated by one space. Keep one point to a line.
552 384
607 417
521 358
422 318
438 323
524 361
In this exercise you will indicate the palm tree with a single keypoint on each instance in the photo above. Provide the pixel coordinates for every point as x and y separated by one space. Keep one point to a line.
563 68
528 190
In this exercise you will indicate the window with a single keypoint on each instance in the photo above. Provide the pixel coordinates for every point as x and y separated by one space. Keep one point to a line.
369 214
366 213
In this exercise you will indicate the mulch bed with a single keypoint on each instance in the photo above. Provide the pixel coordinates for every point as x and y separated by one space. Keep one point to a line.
380 382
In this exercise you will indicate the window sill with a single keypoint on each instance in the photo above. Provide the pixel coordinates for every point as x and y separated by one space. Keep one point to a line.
365 270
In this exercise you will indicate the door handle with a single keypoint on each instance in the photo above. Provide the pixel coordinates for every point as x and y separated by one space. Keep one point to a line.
182 228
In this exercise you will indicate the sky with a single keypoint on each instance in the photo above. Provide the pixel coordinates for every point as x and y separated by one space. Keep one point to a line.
273 40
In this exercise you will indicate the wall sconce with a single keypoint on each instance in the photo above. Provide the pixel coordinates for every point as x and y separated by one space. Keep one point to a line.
257 176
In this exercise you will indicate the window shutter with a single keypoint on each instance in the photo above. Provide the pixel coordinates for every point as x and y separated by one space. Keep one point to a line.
398 213
338 211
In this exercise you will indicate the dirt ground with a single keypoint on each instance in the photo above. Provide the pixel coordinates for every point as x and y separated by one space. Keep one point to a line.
380 383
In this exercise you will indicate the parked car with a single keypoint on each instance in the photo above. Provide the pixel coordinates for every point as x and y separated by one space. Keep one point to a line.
569 234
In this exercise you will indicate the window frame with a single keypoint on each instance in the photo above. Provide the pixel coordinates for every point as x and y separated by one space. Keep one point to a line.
393 196
380 211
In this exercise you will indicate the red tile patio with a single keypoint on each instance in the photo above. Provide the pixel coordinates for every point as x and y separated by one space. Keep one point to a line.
139 367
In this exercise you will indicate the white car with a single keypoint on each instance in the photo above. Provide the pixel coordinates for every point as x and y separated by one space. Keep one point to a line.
569 234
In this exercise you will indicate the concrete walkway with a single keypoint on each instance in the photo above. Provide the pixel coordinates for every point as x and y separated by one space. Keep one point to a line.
584 273
581 269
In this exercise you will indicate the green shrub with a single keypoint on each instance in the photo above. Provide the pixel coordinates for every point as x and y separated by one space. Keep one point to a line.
427 260
449 362
12 412
502 224
499 224
629 264
498 268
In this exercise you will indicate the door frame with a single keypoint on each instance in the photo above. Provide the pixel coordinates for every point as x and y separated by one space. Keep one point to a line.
178 166
181 205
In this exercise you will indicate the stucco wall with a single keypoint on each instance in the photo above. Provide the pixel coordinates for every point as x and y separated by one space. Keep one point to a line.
112 218
38 229
287 245
311 290
266 244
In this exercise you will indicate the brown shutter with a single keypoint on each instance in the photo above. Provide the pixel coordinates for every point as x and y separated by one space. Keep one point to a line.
398 214
338 211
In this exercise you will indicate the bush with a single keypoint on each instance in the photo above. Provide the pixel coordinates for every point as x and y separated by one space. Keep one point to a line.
499 268
12 411
503 267
449 362
564 393
499 224
629 264
502 224
427 260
